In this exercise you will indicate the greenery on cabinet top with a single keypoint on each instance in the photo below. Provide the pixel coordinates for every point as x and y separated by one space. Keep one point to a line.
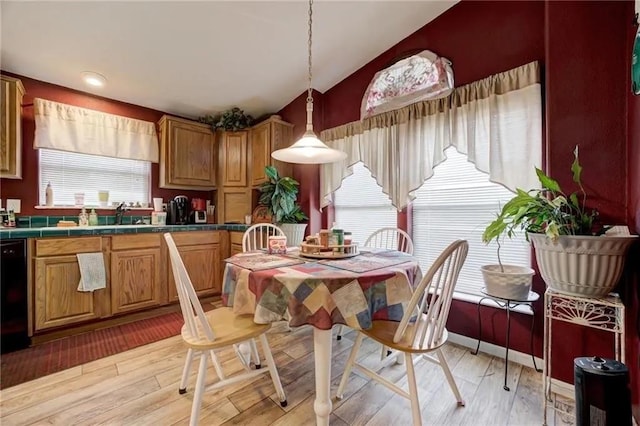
234 119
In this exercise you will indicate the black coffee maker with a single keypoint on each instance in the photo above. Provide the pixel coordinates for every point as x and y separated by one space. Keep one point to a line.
178 211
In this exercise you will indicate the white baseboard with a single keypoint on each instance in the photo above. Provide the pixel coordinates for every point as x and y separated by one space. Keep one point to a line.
495 350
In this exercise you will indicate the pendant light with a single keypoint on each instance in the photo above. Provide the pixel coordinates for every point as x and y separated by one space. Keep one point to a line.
309 149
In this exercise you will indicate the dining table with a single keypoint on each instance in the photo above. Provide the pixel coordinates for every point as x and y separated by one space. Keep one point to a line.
375 284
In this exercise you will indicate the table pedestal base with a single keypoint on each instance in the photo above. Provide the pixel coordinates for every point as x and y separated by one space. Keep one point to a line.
322 352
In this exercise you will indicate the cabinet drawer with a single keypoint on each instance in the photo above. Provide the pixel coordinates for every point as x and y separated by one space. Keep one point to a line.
236 237
125 242
62 246
190 238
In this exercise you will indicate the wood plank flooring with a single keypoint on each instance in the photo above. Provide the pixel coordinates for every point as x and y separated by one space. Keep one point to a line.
140 387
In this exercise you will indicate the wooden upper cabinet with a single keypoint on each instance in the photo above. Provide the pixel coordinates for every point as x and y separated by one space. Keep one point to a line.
266 137
11 92
188 154
233 158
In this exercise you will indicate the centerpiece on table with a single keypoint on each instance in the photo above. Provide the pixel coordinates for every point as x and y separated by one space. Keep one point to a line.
573 253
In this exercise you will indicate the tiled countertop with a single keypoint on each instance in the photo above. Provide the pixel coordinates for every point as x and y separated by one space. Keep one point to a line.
110 230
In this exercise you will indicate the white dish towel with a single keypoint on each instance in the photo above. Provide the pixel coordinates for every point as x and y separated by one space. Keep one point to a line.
92 273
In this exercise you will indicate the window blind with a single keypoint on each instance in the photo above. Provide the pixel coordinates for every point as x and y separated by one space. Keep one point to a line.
361 207
458 202
70 173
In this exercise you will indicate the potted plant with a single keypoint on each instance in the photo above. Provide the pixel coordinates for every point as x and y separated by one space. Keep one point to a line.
232 120
279 194
572 255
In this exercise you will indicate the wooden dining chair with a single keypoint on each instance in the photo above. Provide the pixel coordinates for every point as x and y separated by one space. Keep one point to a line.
206 332
386 238
256 237
390 238
422 328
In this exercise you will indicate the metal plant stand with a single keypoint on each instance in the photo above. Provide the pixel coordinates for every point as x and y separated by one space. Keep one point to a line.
508 305
604 313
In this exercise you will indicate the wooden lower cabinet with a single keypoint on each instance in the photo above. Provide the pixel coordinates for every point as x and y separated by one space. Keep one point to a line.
57 301
137 278
202 257
236 242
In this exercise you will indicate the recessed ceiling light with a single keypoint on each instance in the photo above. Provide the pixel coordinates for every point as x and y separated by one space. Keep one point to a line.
94 79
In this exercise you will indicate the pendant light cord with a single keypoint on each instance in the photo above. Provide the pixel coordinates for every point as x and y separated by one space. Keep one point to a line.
309 92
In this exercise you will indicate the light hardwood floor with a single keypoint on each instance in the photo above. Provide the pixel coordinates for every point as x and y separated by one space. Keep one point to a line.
140 387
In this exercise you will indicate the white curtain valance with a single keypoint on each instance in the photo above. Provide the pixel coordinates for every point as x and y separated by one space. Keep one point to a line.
69 128
496 122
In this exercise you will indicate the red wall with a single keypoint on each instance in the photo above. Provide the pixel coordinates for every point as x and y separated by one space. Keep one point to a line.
26 188
582 47
632 294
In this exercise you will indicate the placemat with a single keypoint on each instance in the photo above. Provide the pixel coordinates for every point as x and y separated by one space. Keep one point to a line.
366 262
259 261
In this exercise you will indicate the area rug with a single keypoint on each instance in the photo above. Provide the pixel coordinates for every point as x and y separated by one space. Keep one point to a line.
57 355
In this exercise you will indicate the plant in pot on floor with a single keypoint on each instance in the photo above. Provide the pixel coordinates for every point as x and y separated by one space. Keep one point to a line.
280 194
572 255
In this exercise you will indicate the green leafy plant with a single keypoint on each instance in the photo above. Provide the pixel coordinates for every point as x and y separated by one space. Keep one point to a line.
233 120
548 210
279 194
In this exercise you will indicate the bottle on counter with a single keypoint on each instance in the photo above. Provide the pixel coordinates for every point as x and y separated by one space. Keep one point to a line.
93 218
83 218
48 195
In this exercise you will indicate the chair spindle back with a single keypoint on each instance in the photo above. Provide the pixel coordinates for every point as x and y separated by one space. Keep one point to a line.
390 238
257 236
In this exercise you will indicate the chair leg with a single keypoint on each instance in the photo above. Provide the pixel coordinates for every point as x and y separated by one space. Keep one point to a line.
273 371
349 366
216 365
185 372
452 382
339 334
197 397
255 354
413 390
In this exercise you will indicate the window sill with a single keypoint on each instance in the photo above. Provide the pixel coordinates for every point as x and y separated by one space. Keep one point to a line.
472 298
89 207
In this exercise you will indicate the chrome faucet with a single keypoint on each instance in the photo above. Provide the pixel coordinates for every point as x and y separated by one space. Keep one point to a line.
120 210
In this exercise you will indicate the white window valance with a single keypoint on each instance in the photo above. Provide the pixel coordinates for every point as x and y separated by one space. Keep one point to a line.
70 128
496 122
416 78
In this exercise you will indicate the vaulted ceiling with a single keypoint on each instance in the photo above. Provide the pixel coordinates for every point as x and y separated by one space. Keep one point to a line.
194 58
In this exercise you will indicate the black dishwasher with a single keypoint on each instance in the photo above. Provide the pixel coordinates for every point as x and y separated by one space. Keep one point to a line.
13 297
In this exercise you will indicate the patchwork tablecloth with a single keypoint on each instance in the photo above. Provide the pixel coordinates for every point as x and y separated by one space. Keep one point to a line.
320 294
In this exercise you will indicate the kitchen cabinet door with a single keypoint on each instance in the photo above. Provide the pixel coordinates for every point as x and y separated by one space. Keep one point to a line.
11 92
57 299
201 255
136 279
233 158
266 137
188 155
233 204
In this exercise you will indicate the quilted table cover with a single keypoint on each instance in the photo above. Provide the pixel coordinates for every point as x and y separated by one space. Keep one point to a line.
319 294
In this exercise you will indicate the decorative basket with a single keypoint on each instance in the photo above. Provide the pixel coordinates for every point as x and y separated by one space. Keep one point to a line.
581 265
514 283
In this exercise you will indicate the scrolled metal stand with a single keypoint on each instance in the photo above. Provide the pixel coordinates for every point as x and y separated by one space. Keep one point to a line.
604 313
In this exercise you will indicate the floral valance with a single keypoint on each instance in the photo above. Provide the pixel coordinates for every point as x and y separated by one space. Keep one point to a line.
418 77
69 128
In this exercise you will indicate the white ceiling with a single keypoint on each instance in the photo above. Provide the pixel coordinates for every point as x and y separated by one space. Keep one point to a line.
194 58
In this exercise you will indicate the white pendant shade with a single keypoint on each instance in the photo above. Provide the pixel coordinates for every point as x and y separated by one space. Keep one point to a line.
309 150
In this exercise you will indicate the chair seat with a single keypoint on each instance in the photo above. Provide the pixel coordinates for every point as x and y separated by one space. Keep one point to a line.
228 329
383 331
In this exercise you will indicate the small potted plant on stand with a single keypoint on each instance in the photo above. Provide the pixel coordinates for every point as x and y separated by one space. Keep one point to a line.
280 194
573 257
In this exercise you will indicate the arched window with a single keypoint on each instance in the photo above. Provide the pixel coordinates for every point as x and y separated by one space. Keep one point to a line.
416 78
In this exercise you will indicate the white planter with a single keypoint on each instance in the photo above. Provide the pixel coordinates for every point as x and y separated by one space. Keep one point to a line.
514 283
294 233
581 265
